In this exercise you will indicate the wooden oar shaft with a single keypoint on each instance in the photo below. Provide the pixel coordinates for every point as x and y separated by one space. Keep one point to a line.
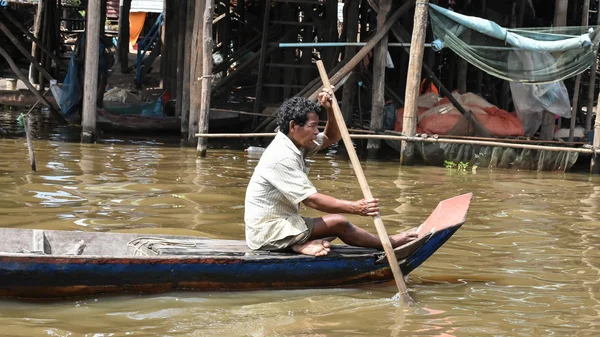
364 186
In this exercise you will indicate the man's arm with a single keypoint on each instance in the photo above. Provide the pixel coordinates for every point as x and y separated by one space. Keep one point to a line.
332 131
327 204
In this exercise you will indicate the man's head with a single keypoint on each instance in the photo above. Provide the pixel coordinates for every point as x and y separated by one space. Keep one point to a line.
298 119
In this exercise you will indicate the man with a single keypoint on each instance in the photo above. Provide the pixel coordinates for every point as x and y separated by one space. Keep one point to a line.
280 183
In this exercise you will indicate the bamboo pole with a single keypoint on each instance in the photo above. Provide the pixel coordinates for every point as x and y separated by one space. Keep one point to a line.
90 84
575 107
409 126
206 79
353 62
13 66
378 88
428 140
362 180
24 51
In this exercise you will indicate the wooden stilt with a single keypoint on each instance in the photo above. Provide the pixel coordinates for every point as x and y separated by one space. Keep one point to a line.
163 39
379 62
560 12
27 125
409 126
180 56
45 33
207 61
187 68
13 66
263 56
547 128
480 72
352 7
124 30
90 84
196 73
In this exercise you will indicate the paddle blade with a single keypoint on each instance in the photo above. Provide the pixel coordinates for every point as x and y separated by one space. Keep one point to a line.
448 213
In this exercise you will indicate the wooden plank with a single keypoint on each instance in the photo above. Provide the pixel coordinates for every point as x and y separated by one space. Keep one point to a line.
37 242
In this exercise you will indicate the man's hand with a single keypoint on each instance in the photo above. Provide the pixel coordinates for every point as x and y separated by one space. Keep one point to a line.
325 97
366 207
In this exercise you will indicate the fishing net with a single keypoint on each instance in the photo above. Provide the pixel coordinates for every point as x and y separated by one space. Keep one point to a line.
519 55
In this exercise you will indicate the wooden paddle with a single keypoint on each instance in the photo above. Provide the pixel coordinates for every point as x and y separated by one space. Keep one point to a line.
364 186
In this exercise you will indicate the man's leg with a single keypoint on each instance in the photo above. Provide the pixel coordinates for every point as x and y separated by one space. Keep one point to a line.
338 225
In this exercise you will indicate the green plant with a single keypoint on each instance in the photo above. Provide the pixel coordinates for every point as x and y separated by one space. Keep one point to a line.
462 166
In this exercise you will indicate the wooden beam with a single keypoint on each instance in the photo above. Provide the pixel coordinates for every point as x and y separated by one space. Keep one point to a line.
576 103
206 80
90 84
591 88
24 79
409 124
37 30
181 28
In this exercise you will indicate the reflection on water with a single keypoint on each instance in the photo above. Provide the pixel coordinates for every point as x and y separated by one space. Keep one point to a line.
526 263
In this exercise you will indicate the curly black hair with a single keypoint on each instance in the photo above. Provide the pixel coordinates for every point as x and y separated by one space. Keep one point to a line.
295 109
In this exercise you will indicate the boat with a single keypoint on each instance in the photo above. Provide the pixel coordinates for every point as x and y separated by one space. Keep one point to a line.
36 263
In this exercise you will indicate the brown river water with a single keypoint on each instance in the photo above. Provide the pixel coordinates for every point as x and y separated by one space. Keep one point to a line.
526 262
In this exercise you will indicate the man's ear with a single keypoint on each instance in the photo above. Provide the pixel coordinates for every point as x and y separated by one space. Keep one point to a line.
292 124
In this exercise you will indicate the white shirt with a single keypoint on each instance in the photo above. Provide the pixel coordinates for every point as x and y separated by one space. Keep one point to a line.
278 185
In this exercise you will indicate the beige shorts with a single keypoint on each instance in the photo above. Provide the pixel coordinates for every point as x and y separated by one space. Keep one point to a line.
287 242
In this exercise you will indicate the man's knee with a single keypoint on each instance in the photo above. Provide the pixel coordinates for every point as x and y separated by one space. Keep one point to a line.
338 221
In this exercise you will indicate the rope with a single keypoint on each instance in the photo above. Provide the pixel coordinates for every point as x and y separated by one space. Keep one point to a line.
138 243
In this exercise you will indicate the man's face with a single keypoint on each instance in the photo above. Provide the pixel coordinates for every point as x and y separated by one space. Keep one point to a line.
303 135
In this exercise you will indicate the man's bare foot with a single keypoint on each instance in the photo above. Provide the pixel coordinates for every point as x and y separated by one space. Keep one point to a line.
402 238
314 248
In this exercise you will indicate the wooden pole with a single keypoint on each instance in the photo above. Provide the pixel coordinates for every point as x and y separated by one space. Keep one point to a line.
263 56
187 67
362 180
575 107
591 87
378 89
37 29
409 126
351 36
595 164
206 80
196 73
124 31
360 55
90 84
24 51
13 66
